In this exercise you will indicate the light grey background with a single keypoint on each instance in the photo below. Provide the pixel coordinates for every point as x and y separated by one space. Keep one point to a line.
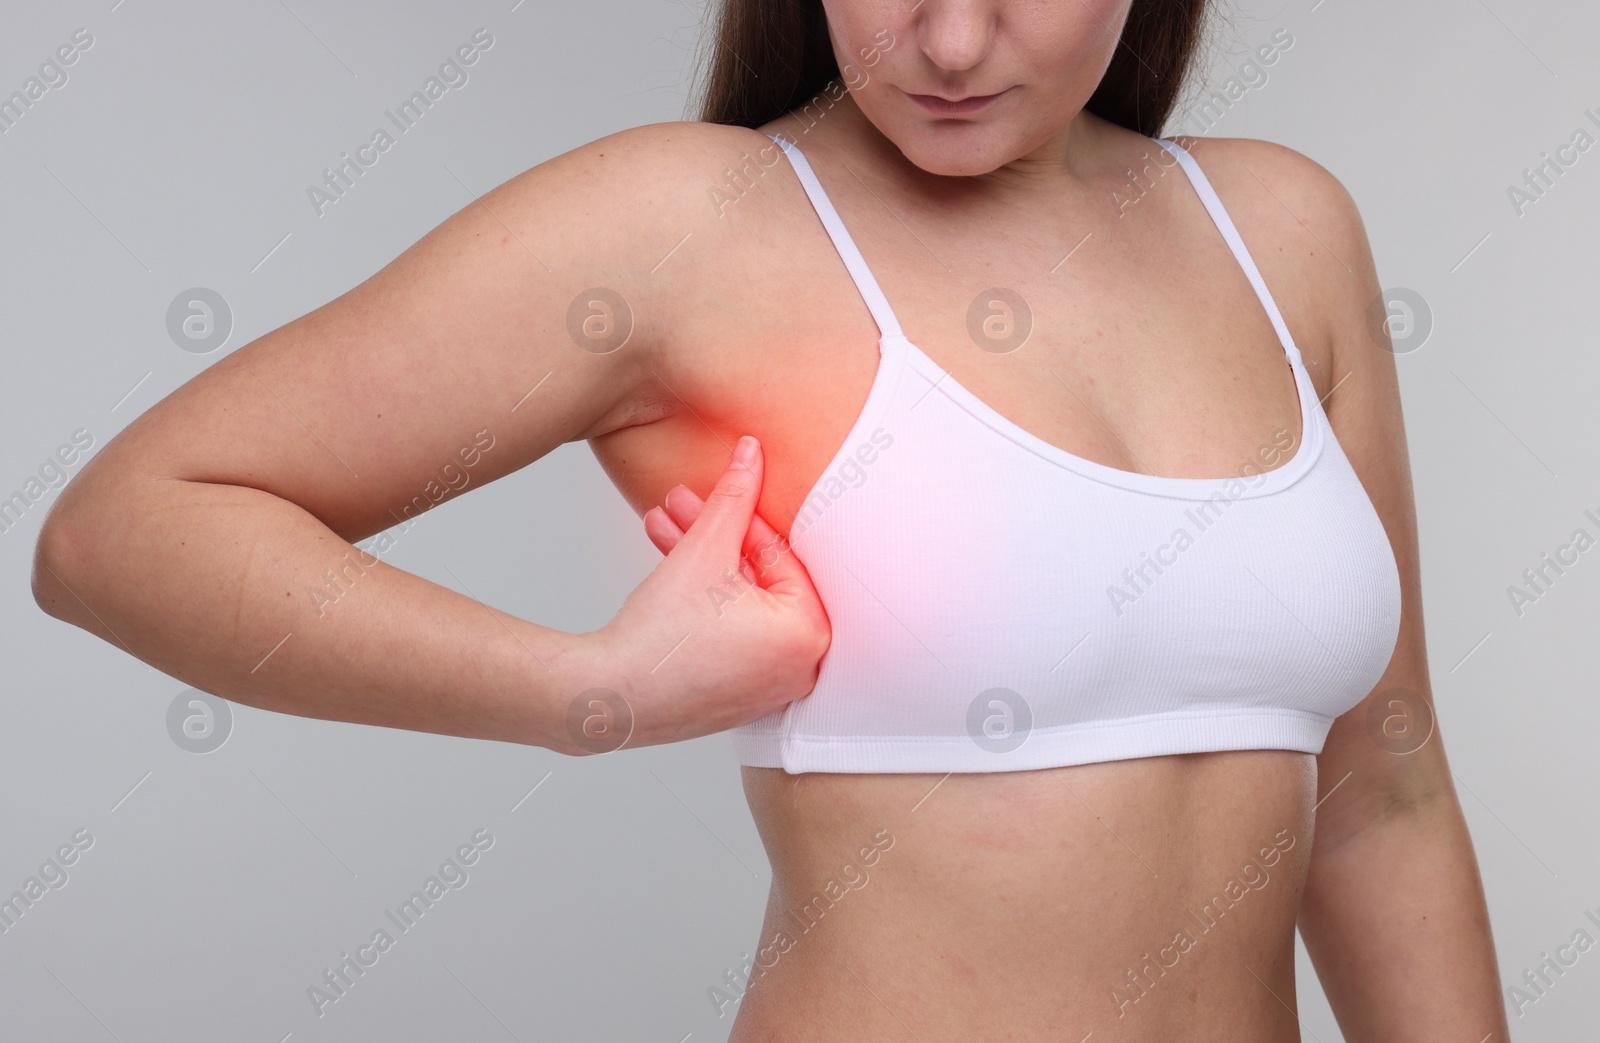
219 887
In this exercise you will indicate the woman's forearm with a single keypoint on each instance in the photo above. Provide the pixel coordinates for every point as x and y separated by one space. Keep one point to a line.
246 595
1395 922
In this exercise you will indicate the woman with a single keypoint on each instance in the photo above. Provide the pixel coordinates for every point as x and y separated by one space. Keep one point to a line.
1027 763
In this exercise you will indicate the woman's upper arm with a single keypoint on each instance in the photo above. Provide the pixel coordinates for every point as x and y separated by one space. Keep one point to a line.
486 344
1367 757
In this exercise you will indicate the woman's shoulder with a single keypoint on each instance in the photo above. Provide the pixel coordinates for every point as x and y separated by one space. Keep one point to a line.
1296 183
652 203
1303 229
644 181
674 184
673 219
684 161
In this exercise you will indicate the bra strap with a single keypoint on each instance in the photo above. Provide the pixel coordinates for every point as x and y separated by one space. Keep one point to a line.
877 303
1224 223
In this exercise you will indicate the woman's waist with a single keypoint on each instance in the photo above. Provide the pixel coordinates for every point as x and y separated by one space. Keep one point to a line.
854 972
1111 892
1047 856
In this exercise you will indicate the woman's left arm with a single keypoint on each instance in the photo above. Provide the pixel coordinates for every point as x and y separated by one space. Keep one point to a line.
1393 915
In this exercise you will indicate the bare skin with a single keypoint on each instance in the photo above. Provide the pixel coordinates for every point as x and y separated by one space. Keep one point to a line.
1044 888
1053 903
1004 905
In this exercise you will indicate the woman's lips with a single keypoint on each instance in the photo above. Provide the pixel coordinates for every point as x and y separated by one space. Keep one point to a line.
965 107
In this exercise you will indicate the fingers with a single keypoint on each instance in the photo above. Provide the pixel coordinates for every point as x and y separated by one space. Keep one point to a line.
768 550
765 556
682 507
661 529
722 520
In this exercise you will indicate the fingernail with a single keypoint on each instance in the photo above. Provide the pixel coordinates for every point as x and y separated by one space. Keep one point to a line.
745 451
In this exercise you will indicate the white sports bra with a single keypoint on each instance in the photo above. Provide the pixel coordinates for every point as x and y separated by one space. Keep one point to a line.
999 604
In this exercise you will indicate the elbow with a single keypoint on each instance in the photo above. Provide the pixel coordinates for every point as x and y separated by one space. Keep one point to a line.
72 537
65 550
53 555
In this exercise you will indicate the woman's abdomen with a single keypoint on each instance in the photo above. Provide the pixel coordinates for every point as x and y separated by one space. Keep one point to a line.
1152 898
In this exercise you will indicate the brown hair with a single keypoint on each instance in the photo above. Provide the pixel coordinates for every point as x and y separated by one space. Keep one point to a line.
772 56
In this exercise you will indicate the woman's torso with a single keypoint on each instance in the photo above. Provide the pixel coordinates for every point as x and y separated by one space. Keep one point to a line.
1152 898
